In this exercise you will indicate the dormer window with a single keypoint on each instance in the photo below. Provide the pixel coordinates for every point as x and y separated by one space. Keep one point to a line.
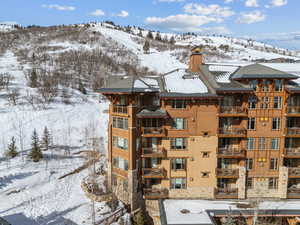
253 84
265 86
278 84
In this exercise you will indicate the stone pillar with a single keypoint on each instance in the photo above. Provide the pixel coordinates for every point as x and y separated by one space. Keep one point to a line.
135 196
241 183
283 182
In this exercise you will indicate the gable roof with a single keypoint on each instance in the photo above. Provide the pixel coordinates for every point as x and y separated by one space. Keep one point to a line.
256 71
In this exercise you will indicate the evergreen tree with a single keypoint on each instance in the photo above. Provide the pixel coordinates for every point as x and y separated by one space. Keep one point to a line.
172 40
81 87
158 37
33 79
165 39
139 219
46 139
36 153
146 47
12 149
140 33
150 35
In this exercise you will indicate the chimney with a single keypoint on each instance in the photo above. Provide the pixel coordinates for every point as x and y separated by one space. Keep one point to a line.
196 59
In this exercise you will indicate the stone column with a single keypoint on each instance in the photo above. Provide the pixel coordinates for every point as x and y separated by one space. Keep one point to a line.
241 183
283 182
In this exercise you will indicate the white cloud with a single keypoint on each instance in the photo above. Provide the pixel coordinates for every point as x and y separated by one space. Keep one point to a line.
251 17
97 12
170 0
228 1
59 7
213 9
182 22
123 13
251 3
278 3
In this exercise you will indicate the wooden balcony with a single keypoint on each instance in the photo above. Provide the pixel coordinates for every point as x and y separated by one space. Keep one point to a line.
292 132
154 153
155 193
231 152
233 111
227 173
293 111
226 193
292 153
120 110
153 173
153 132
293 193
232 132
294 172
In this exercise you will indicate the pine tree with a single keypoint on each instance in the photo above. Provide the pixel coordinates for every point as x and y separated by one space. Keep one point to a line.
81 87
140 34
139 219
172 40
146 47
36 153
150 35
33 79
46 139
158 37
12 149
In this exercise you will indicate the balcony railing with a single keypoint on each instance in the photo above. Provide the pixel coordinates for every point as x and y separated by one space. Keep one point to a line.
294 172
229 152
293 192
292 152
232 132
293 109
153 131
120 109
153 173
226 193
293 131
234 110
227 173
155 193
159 152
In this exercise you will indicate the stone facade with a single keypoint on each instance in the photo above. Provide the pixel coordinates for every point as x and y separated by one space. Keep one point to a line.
193 193
283 182
241 183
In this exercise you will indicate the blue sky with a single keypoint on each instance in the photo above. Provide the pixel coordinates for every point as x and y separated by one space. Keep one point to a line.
272 20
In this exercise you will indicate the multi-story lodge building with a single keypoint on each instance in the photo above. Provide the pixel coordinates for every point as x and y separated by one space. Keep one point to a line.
209 131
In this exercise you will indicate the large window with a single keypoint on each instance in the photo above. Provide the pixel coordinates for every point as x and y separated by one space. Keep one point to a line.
274 164
120 163
179 123
120 142
264 102
178 104
273 183
265 85
178 164
277 102
178 143
251 143
252 102
251 123
275 143
178 183
120 122
262 143
276 123
249 164
278 85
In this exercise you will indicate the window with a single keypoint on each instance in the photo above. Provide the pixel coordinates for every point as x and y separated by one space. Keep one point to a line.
120 142
222 183
120 163
178 183
278 85
252 102
205 154
253 84
123 100
249 164
273 183
276 123
156 101
249 182
120 122
152 122
273 164
205 174
251 143
265 86
178 143
178 164
262 143
277 102
264 102
251 123
178 104
179 123
274 143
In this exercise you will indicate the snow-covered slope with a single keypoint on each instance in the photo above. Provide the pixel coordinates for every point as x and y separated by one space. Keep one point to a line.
7 26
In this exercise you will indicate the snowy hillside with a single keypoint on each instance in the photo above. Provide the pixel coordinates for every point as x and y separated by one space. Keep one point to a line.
7 26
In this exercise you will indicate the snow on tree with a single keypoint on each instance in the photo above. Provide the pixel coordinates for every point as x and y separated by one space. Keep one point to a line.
46 140
146 47
33 79
172 40
158 37
36 153
12 149
150 35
